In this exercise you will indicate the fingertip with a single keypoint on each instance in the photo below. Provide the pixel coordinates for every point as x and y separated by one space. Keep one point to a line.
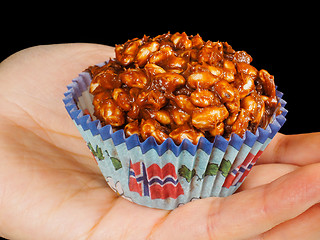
300 149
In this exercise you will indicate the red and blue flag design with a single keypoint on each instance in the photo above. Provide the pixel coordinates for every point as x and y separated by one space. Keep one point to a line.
154 181
238 174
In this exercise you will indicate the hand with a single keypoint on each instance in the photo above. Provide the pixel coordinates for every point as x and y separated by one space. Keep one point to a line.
51 188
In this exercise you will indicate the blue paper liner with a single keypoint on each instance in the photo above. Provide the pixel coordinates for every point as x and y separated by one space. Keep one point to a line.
167 175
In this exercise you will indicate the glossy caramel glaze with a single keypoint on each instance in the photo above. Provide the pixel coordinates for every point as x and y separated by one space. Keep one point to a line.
180 86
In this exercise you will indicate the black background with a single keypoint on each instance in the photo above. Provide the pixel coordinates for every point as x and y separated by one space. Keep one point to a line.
286 46
281 39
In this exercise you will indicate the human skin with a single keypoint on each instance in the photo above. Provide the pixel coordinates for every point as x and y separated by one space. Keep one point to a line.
51 187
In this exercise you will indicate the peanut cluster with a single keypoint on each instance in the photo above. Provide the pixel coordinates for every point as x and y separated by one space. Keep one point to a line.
180 86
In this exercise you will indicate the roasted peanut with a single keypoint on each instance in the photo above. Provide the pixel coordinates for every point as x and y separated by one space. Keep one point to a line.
134 78
242 56
132 128
134 111
185 132
245 68
228 52
179 116
217 130
267 82
163 117
134 93
207 118
175 64
151 99
254 105
232 117
241 124
211 53
126 53
122 98
145 52
162 38
181 41
245 84
204 67
225 91
97 100
234 106
216 71
183 91
107 79
100 97
204 98
259 112
95 87
271 104
151 127
249 104
197 42
111 113
203 80
159 56
184 103
94 70
229 71
168 81
153 69
229 65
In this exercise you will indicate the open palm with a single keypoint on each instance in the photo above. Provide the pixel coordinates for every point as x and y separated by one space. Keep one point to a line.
51 187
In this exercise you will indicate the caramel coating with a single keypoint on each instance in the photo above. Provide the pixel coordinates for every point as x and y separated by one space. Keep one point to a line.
182 87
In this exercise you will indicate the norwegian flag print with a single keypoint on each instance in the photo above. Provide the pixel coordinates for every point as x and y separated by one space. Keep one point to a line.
154 181
238 174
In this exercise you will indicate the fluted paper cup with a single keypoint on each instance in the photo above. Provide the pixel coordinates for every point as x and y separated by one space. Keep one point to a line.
167 175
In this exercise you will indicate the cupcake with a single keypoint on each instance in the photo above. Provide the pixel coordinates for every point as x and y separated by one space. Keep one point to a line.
174 118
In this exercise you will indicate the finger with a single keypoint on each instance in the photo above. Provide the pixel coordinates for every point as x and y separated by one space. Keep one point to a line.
41 75
306 226
301 149
266 173
245 214
44 72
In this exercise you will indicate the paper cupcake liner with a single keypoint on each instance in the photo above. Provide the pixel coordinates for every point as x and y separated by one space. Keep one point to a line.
167 175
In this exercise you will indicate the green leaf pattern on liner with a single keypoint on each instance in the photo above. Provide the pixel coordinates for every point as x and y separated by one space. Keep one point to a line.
211 170
116 163
185 172
225 167
99 154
